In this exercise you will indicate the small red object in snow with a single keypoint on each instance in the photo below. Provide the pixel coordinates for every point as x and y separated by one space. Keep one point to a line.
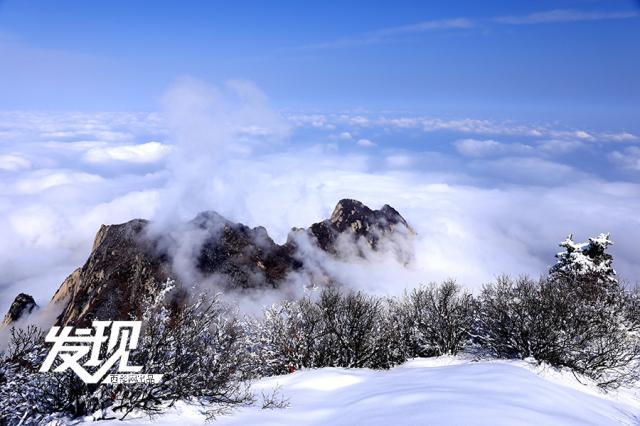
291 369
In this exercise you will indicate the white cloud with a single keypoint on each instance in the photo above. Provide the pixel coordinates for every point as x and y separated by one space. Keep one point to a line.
483 127
359 120
314 120
620 137
488 147
87 132
366 143
462 125
42 180
477 148
400 160
483 148
467 228
531 170
628 158
441 24
149 152
208 125
473 126
565 15
493 230
14 163
465 24
559 146
385 34
402 122
345 136
79 146
581 134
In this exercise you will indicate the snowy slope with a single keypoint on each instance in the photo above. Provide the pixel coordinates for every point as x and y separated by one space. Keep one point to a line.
436 391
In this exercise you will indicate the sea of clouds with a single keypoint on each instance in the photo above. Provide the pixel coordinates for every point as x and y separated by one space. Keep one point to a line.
485 197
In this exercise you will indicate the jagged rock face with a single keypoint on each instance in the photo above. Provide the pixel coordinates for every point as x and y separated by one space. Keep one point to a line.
359 221
246 257
123 267
129 261
22 306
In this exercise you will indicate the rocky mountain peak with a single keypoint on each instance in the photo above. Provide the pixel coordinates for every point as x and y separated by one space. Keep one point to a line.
353 218
130 261
354 215
22 306
248 256
123 266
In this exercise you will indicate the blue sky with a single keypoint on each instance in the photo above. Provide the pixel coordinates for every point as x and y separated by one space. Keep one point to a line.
577 60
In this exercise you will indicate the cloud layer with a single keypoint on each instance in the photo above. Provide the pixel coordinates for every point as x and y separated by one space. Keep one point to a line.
486 197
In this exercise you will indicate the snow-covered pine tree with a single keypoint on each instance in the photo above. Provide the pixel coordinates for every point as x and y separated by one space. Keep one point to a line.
579 316
586 259
584 310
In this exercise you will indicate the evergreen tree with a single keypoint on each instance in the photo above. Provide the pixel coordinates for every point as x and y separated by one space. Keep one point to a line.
585 259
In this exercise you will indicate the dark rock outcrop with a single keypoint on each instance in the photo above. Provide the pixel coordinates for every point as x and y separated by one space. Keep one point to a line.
129 261
247 257
122 268
353 218
22 306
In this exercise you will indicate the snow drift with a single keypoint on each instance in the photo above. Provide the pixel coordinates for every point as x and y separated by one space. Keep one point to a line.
434 391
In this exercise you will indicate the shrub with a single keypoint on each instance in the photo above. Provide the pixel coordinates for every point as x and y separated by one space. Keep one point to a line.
439 319
507 317
30 397
200 348
338 330
351 329
578 317
287 337
585 326
198 345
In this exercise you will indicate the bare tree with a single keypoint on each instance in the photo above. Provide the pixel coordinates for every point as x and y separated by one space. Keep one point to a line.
584 324
31 397
508 316
440 318
351 327
581 322
287 337
200 349
274 399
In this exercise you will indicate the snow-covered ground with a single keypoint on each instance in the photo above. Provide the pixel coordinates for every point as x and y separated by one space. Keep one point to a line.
434 391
